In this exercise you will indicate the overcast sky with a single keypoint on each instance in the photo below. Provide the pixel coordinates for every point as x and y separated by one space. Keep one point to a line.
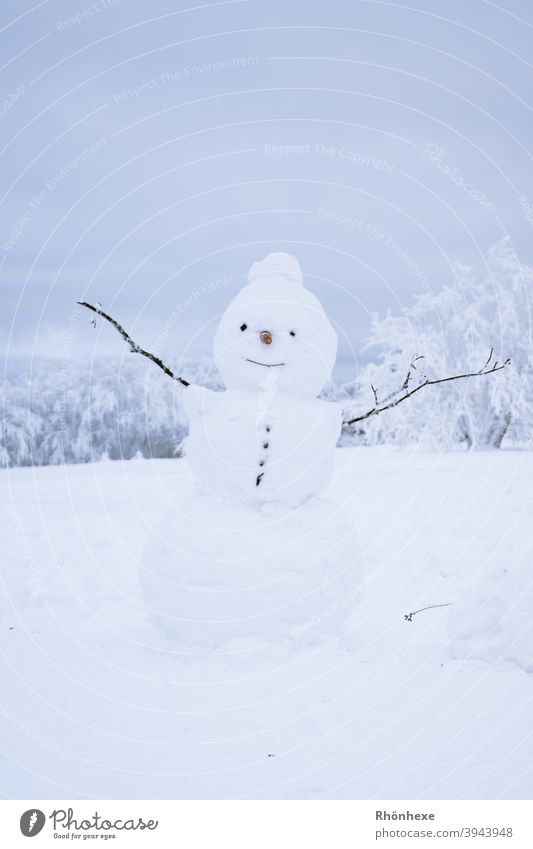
152 151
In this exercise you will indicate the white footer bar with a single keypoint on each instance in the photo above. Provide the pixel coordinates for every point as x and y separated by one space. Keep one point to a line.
268 824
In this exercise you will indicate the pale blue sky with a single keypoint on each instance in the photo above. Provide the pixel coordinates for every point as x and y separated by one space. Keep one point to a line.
150 149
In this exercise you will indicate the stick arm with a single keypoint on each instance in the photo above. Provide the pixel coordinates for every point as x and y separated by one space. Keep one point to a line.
134 348
486 369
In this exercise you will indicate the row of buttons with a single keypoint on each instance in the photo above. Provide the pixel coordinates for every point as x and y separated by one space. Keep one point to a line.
262 462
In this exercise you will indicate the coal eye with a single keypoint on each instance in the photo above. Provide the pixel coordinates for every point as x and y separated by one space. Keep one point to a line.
292 333
244 326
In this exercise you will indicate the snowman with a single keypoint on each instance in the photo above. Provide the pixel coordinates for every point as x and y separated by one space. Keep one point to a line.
254 556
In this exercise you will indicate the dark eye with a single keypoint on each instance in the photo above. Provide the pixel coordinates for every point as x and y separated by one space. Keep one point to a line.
243 327
292 333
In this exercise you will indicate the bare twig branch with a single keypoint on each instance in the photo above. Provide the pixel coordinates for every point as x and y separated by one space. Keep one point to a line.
375 411
489 359
405 384
376 402
134 348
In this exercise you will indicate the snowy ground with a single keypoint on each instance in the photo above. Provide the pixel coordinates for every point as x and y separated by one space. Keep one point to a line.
91 705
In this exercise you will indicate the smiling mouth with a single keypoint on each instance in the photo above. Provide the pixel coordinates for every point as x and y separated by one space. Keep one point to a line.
266 365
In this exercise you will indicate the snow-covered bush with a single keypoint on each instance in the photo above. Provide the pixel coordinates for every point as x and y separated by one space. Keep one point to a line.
451 332
491 616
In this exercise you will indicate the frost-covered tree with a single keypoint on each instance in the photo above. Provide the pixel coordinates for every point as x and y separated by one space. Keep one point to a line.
474 322
65 413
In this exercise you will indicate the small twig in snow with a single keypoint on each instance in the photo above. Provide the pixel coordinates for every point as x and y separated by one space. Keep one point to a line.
408 617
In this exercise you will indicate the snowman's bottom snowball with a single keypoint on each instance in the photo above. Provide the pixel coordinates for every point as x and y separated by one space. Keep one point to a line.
214 573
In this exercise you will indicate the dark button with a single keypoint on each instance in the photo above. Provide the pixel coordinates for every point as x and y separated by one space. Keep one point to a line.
265 444
267 429
262 463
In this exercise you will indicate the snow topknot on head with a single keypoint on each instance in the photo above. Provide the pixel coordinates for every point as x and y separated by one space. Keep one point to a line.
275 266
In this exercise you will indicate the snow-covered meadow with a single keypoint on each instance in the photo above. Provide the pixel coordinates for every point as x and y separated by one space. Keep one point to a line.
96 704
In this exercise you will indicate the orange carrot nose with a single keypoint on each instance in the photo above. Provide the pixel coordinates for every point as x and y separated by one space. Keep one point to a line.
266 337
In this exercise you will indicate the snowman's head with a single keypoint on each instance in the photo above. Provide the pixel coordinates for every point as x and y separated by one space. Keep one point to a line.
274 326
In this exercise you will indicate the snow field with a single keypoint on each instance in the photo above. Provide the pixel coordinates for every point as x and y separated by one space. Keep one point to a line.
96 702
